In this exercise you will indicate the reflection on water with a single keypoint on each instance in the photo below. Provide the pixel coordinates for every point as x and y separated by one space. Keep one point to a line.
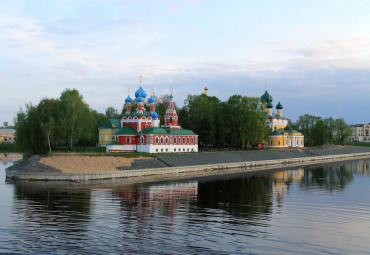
309 210
329 177
10 157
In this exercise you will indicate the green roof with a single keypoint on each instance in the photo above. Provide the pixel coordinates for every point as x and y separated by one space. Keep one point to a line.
266 97
276 116
126 130
275 132
114 143
288 129
180 132
111 123
279 106
135 113
154 131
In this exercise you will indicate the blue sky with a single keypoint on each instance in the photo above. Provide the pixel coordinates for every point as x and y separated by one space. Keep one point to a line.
314 54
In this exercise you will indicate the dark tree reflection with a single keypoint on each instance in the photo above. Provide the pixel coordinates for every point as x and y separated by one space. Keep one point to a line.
330 178
71 202
241 197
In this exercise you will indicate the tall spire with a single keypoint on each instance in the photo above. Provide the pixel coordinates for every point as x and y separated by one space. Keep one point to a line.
170 117
141 77
206 89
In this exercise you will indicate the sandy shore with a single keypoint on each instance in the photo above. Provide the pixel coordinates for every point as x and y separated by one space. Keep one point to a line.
86 164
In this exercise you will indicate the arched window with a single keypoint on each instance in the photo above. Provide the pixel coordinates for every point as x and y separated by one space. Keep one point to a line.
161 139
174 140
166 139
156 139
142 139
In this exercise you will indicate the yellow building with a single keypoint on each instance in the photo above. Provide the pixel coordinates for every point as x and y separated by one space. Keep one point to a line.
281 134
107 130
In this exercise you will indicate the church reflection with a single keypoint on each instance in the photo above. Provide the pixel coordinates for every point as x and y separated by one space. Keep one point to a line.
359 166
10 157
282 180
163 199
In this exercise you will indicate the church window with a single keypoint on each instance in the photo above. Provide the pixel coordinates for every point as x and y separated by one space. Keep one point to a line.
99 138
166 149
128 140
156 139
106 138
175 149
270 142
192 140
278 142
161 139
142 139
166 139
156 150
161 150
183 140
174 141
188 140
183 149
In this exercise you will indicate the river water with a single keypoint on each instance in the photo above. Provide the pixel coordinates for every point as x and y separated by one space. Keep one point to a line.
312 210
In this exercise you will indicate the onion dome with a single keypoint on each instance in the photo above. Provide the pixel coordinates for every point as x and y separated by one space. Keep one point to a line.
154 115
139 99
279 106
266 97
128 99
269 105
141 92
171 96
151 100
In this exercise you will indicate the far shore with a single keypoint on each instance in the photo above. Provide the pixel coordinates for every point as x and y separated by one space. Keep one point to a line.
73 167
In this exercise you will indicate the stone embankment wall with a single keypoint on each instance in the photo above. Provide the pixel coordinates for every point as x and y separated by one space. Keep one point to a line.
193 164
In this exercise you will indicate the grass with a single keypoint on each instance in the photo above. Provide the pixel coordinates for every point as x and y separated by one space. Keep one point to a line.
99 151
360 144
8 147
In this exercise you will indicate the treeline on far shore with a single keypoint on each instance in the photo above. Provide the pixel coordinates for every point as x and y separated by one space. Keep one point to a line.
69 124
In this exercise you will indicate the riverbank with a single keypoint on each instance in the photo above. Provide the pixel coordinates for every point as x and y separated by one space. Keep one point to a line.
85 167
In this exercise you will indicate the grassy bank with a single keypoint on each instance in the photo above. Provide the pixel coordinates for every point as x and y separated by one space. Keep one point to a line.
360 144
8 147
98 151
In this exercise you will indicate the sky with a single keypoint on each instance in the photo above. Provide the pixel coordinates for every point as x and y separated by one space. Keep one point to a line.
314 54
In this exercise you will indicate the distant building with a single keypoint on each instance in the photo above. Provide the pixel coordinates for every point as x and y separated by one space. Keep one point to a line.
360 133
281 135
139 129
7 135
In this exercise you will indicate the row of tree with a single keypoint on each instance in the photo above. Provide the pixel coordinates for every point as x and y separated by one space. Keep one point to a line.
318 131
238 122
57 122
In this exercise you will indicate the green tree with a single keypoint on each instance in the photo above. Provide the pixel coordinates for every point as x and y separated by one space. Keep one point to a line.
5 124
161 106
254 122
92 121
74 113
330 124
29 138
341 131
319 132
111 113
48 116
198 114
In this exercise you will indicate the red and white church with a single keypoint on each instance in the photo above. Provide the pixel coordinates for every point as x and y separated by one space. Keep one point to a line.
139 130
